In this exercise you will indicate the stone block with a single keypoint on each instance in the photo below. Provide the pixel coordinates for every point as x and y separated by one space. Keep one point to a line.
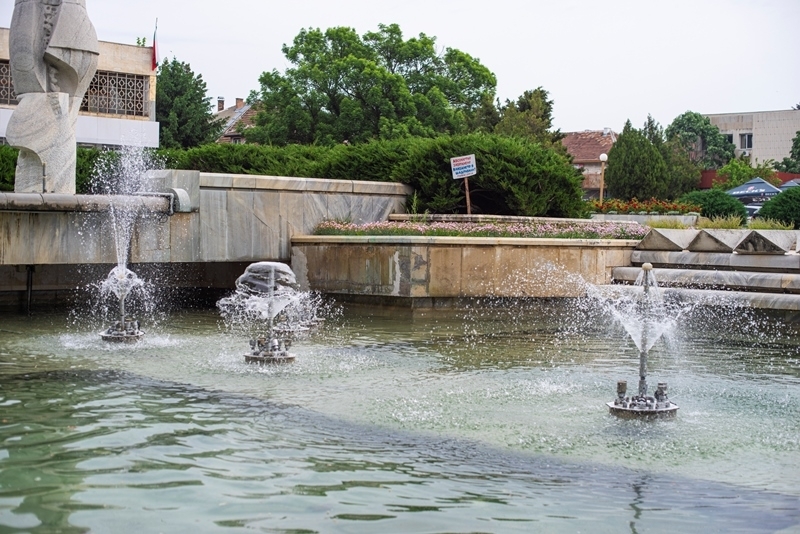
667 239
768 242
477 271
511 272
213 225
711 240
444 272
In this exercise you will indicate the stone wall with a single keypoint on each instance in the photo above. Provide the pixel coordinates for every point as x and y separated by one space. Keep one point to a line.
421 269
227 220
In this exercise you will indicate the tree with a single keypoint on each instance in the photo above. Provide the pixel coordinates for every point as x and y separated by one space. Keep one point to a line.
531 116
703 141
343 87
739 171
636 169
182 107
792 163
683 175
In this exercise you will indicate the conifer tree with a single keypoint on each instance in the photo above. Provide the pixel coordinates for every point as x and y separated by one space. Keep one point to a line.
636 169
182 108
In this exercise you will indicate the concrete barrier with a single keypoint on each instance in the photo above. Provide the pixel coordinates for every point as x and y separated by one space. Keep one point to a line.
417 271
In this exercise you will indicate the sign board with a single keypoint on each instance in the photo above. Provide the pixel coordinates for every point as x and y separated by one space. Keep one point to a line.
463 166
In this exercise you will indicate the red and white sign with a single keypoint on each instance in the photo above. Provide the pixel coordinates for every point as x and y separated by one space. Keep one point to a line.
463 166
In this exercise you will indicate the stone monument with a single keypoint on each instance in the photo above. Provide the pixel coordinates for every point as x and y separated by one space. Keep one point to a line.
53 50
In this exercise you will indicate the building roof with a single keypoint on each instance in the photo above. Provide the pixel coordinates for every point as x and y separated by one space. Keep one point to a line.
586 146
234 116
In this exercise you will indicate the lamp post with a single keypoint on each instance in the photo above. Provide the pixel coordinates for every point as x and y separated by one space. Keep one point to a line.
603 159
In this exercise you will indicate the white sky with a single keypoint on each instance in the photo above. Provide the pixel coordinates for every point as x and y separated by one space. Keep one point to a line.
602 61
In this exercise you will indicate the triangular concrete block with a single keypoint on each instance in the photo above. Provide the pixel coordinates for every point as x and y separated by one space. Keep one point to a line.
710 240
667 239
768 242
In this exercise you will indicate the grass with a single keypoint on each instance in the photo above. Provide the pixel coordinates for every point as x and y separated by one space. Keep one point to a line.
720 223
769 224
663 222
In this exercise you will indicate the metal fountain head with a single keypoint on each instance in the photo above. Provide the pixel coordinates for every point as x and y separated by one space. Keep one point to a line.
643 405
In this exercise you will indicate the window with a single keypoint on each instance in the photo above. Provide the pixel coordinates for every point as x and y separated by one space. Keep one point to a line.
729 138
115 93
745 141
7 96
118 93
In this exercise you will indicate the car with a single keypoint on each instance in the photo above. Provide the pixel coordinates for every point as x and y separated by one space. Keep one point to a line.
752 209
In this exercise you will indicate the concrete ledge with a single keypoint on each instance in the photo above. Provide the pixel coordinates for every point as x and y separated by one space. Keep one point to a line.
287 183
83 203
687 220
718 261
740 280
713 297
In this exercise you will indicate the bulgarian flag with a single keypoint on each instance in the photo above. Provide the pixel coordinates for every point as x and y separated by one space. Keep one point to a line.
155 47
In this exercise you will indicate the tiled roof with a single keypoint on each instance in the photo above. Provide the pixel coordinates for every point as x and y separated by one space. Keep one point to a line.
233 118
586 146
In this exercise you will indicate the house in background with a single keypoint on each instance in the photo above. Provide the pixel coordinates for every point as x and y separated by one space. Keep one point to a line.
119 108
237 118
585 148
762 135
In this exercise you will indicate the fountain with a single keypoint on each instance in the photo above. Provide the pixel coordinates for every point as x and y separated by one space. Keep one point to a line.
267 292
121 281
646 322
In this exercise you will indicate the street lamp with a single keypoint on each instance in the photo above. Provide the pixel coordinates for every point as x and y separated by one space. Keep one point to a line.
603 159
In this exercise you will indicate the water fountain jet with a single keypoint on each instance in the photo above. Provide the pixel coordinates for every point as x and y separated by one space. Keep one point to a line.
121 281
267 292
642 404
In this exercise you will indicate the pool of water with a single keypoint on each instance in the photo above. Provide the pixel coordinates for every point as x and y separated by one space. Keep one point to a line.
490 419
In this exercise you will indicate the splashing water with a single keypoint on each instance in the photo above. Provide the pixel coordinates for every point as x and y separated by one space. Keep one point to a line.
268 301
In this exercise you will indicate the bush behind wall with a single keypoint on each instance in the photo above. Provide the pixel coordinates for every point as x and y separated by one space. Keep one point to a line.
515 176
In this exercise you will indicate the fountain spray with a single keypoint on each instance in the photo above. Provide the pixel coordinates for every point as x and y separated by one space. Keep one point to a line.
642 404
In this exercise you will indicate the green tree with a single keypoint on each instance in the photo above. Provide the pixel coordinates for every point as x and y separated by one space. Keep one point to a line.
703 141
683 175
715 203
343 87
182 107
739 171
531 116
636 168
792 163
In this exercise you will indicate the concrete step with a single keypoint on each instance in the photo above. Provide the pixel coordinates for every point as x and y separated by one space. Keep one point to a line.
707 279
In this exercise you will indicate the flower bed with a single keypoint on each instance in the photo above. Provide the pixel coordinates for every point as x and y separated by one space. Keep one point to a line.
535 229
643 207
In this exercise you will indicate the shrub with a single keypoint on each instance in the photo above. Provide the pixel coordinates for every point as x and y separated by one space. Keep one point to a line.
715 203
8 166
784 207
515 177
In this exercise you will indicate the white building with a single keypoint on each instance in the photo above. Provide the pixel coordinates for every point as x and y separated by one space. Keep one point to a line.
120 106
762 135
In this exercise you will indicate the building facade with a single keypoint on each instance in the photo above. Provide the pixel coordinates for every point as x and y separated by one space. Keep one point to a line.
119 108
585 148
762 135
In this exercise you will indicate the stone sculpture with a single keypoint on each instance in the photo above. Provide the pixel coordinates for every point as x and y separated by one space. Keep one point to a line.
53 49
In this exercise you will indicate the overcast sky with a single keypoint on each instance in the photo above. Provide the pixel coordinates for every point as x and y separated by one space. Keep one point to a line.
602 61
